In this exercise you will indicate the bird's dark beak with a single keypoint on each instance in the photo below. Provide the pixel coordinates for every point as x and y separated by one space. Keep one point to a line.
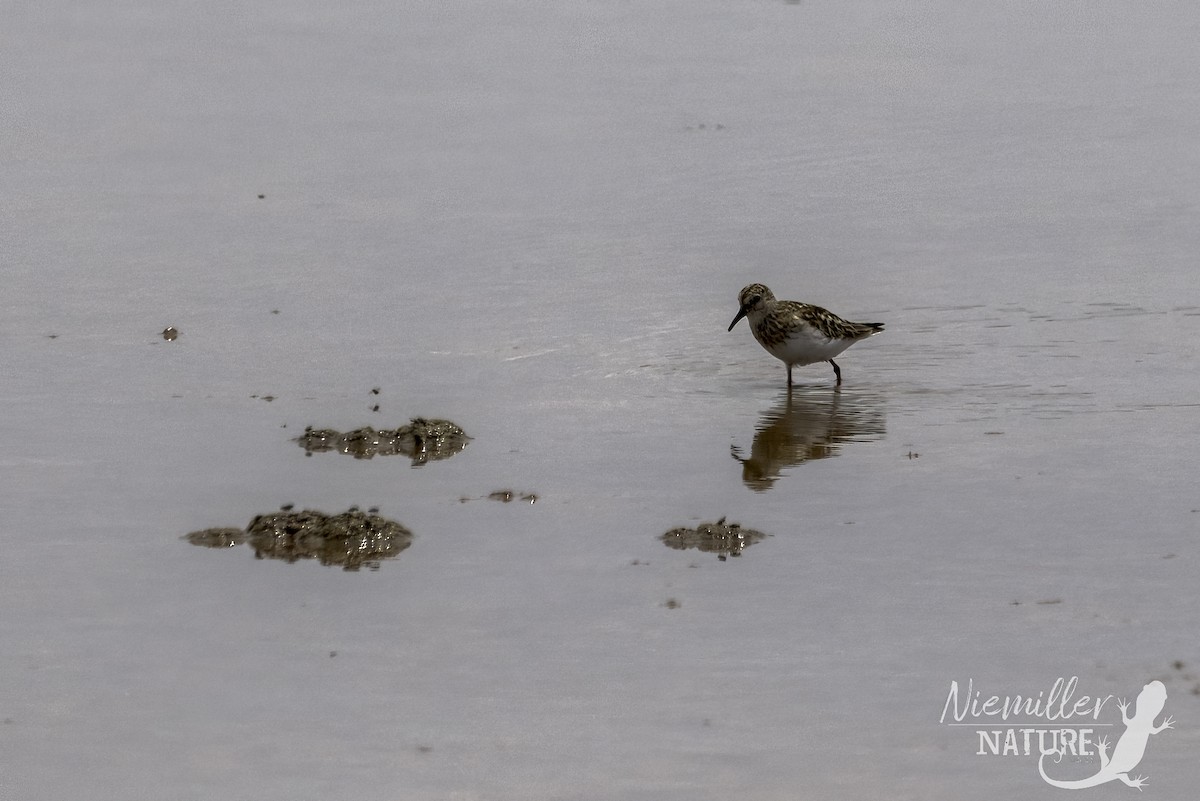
741 313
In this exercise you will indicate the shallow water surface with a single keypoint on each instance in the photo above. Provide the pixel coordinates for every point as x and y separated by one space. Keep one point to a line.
533 220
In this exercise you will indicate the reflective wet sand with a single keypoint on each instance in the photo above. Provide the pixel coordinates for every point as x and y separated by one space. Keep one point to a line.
533 220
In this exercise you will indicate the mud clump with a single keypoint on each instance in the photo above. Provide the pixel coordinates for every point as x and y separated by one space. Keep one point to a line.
351 540
422 440
723 539
217 537
503 496
508 496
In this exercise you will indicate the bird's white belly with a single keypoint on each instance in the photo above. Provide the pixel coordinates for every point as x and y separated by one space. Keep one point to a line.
806 346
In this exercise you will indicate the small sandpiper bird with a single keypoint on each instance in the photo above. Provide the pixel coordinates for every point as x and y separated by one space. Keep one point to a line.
797 333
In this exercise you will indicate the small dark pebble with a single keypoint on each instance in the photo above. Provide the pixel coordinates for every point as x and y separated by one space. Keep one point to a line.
170 334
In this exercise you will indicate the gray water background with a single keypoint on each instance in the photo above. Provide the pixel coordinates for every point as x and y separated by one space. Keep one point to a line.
533 219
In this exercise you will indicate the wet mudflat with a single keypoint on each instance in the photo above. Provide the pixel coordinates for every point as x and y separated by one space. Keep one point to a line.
543 244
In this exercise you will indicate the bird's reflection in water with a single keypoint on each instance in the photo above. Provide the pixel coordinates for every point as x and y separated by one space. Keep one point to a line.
808 424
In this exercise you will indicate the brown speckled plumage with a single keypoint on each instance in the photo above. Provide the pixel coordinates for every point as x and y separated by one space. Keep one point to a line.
798 333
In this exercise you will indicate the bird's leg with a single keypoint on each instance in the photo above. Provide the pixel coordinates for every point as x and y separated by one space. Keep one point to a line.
789 367
836 371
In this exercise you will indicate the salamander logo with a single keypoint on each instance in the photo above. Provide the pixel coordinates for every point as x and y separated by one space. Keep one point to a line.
1057 725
